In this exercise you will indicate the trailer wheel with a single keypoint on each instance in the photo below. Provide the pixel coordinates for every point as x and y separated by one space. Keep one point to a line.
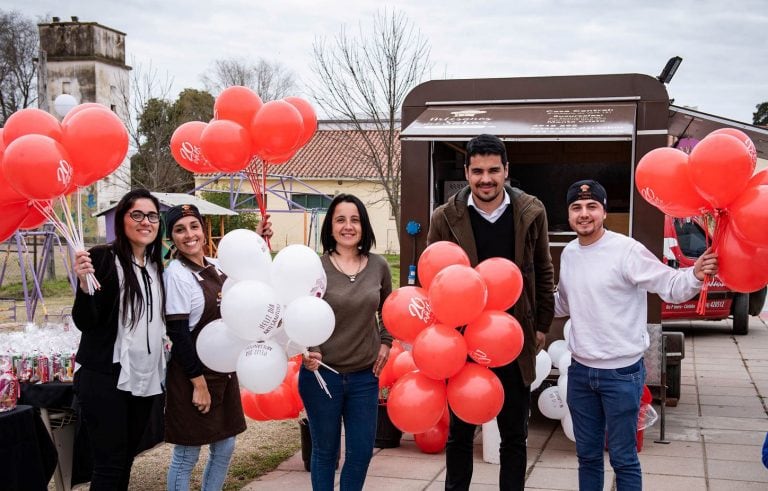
740 311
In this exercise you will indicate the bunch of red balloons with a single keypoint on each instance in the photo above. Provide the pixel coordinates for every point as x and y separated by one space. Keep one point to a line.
716 181
42 159
453 295
244 127
282 403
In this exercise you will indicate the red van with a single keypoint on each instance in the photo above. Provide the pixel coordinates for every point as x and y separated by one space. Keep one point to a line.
684 241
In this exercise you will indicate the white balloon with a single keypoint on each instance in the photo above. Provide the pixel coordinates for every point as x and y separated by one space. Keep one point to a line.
567 423
567 331
562 387
218 347
291 348
309 321
63 104
251 309
556 350
297 272
551 405
243 255
261 367
543 367
564 362
228 283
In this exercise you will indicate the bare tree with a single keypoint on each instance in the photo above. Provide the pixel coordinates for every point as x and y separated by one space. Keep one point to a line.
364 79
18 70
270 79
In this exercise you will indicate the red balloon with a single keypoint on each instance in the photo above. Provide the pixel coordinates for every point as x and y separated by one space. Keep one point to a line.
759 179
406 312
741 266
504 282
436 257
2 144
457 294
439 351
276 129
433 440
445 419
277 404
7 193
12 216
34 217
494 339
308 115
37 167
386 376
277 159
185 147
416 402
97 142
80 107
720 168
226 145
475 394
749 216
31 121
237 104
646 398
743 138
251 406
663 179
403 364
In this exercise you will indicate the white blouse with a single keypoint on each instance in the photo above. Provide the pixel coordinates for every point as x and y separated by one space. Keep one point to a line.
139 349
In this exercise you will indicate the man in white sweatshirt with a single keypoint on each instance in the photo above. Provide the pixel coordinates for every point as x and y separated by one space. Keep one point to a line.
604 279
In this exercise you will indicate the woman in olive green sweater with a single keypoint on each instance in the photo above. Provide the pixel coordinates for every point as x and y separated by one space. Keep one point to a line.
358 284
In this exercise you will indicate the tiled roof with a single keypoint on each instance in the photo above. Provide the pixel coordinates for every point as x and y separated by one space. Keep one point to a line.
336 154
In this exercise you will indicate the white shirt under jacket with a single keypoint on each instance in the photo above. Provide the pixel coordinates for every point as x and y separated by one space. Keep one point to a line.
603 288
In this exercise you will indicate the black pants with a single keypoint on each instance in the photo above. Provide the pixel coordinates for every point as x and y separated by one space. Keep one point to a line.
513 429
115 421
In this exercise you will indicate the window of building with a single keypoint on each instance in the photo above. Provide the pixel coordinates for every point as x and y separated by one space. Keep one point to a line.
310 201
65 87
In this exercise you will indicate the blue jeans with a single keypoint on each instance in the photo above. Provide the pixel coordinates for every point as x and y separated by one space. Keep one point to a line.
185 457
355 401
605 403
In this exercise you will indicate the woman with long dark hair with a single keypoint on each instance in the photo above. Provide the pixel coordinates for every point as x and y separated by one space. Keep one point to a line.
358 283
121 355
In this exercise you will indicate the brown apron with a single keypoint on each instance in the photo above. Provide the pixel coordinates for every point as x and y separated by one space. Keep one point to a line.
184 424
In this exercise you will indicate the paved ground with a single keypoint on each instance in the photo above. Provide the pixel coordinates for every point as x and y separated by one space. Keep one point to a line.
715 433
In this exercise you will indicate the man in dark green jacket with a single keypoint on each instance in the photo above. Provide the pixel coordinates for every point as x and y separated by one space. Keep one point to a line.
491 219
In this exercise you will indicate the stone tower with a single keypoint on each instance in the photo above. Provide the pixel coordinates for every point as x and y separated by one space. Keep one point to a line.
87 61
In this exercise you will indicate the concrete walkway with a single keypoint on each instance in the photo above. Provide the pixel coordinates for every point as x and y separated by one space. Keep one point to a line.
715 433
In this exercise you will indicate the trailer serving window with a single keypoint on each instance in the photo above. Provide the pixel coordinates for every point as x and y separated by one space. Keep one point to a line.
549 146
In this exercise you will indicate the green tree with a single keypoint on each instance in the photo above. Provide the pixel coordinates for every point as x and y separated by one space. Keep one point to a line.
153 166
247 220
760 117
18 70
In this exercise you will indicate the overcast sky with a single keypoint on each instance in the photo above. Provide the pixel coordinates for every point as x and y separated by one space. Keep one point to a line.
723 44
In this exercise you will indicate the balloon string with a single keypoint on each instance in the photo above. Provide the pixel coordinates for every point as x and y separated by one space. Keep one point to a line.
720 218
257 176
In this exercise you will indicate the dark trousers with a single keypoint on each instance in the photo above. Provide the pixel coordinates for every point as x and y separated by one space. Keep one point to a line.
513 429
115 421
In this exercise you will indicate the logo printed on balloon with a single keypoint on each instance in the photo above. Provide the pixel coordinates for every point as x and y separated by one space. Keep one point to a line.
64 172
271 319
258 349
418 307
190 152
480 357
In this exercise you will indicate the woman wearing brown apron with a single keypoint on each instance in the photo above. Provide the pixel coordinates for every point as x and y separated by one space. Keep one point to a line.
203 407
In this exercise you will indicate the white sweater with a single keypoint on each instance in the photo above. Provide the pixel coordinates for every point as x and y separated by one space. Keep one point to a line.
603 288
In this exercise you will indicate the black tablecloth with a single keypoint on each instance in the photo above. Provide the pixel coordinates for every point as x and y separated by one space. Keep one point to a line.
60 395
27 453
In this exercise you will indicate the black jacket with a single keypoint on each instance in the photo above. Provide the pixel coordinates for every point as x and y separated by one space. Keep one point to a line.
96 315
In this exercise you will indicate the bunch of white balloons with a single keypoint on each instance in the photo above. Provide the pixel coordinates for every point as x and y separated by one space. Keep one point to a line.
270 310
553 400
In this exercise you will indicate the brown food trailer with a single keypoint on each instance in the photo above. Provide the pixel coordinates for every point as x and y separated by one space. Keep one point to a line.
557 130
